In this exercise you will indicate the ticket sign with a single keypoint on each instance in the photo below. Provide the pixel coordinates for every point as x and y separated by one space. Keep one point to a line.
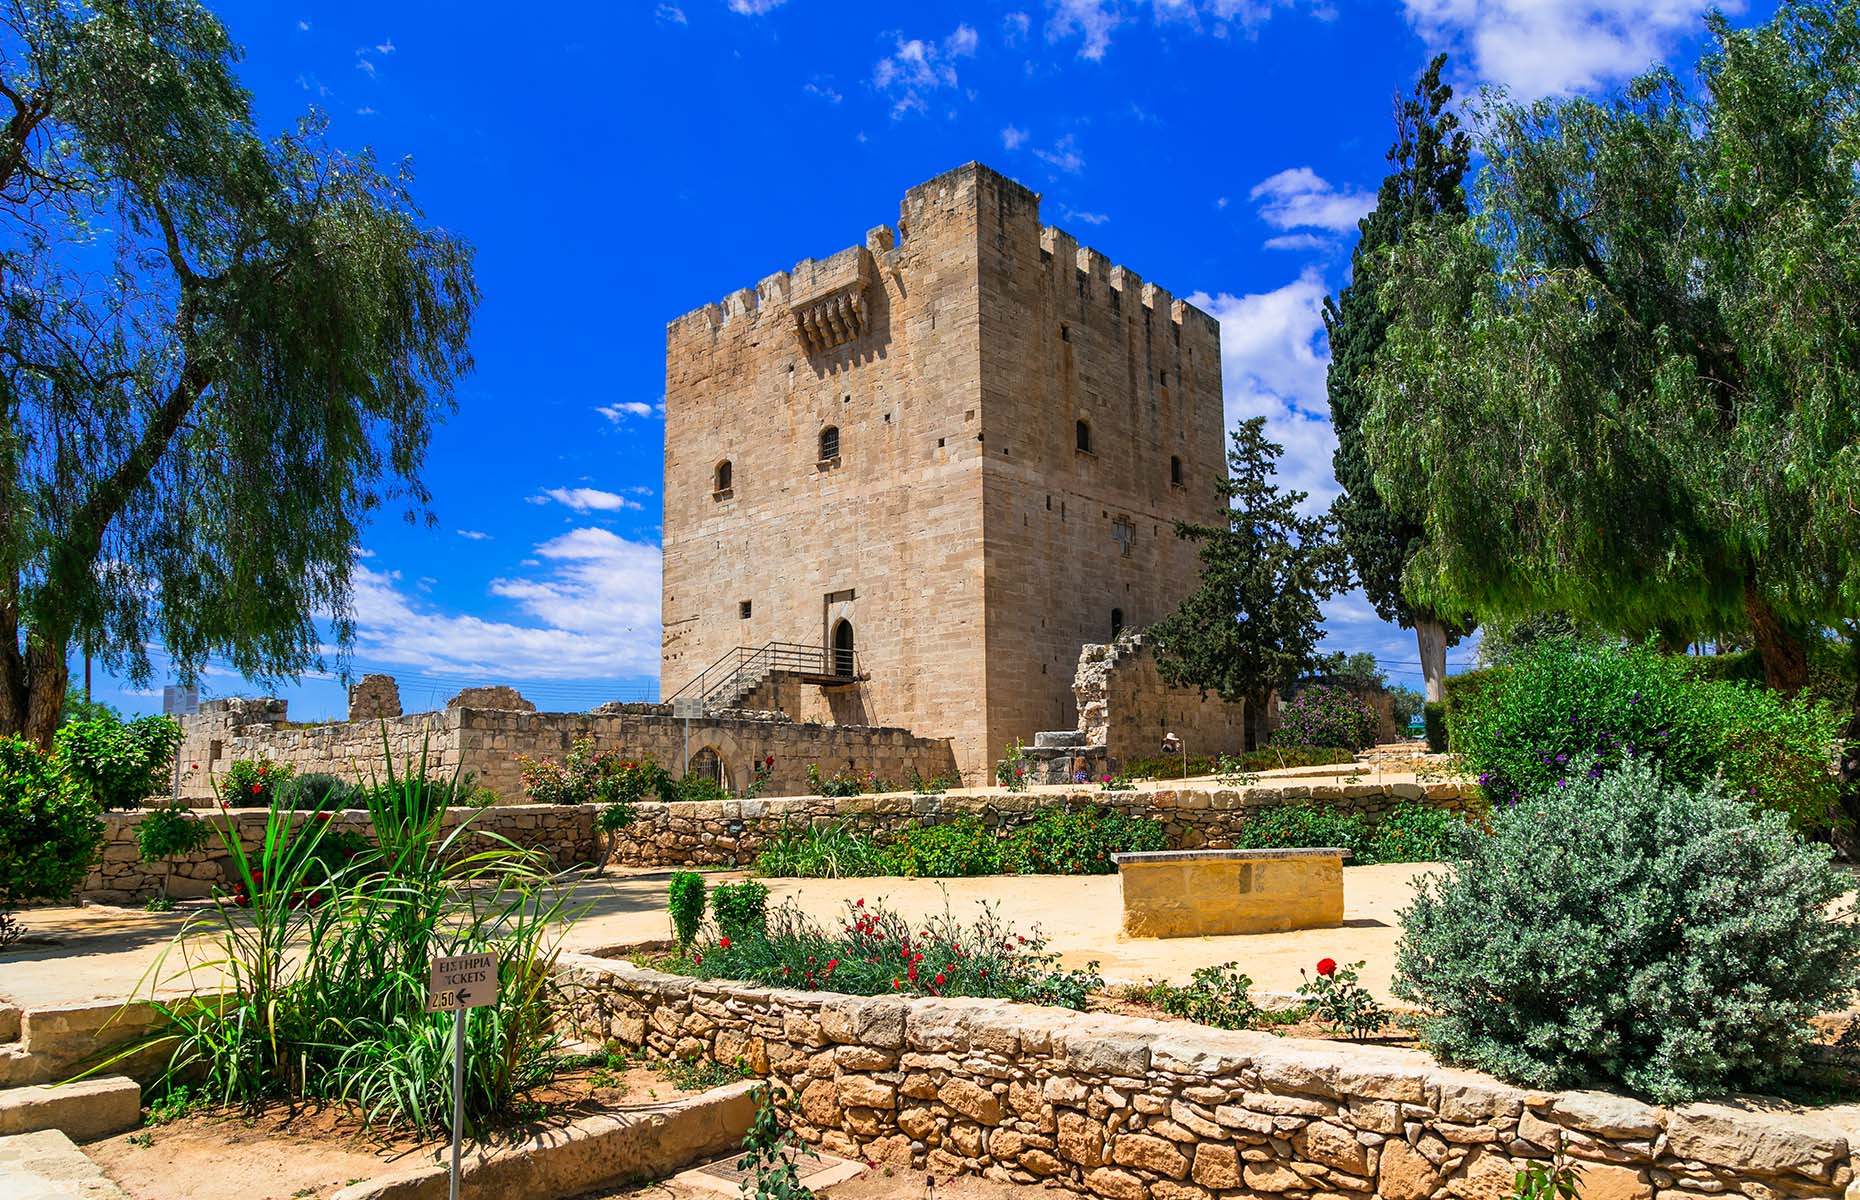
462 981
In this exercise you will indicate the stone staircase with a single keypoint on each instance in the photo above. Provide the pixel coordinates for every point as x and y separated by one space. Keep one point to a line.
43 1049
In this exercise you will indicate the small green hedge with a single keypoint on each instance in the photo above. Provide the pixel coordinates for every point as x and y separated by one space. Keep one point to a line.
1434 718
1268 759
1411 832
1057 841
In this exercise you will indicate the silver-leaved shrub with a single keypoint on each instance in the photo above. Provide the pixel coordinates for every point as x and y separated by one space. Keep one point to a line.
1669 939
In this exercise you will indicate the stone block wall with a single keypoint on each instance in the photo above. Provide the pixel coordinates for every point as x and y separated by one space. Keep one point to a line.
486 742
733 832
1128 1108
1126 707
121 877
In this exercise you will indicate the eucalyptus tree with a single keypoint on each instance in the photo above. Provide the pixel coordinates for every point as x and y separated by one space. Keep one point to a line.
1429 158
1628 388
221 353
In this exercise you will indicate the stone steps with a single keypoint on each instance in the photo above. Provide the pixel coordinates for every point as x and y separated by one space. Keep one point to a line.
83 1111
59 1041
47 1166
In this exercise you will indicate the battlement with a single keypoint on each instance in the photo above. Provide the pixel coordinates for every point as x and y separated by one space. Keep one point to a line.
832 289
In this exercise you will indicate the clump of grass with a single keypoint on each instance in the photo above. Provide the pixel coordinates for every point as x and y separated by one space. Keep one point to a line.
325 965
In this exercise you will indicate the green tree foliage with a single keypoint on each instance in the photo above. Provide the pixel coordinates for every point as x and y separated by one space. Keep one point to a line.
1628 389
221 353
50 831
1429 158
119 764
1633 931
1253 623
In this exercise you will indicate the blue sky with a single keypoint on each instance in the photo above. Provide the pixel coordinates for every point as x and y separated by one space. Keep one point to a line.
619 164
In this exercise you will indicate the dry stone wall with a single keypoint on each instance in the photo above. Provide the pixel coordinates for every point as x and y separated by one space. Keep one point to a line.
120 876
1133 1109
733 832
486 742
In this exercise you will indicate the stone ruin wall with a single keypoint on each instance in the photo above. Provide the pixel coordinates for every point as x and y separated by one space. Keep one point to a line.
1129 1108
1125 707
486 741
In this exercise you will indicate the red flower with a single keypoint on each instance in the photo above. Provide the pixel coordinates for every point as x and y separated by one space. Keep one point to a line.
912 973
941 979
832 963
769 761
724 942
1327 966
256 789
894 983
697 960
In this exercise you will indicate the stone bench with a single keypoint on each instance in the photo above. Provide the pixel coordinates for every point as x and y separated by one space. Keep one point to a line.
1201 893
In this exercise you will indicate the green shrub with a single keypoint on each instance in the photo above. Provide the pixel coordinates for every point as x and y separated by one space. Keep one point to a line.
1217 996
1061 841
959 847
331 966
1633 930
875 951
1461 694
1325 715
589 776
1415 832
119 765
685 899
50 831
1011 771
840 783
320 791
1338 998
832 850
1434 719
693 789
1562 700
253 782
1300 825
741 909
166 833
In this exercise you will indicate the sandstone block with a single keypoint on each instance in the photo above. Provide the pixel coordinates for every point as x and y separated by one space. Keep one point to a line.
820 1104
1114 1184
1332 1146
1216 1166
1081 1139
1149 1153
865 1091
1039 1162
1403 1173
971 1100
1270 1177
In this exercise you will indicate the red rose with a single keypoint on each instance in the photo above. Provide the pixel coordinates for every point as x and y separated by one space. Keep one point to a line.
256 789
941 979
894 984
912 973
1327 966
724 942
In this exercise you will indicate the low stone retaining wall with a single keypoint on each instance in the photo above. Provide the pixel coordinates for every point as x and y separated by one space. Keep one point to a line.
566 831
733 832
1135 1109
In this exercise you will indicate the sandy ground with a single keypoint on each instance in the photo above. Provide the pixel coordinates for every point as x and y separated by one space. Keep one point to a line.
878 1183
104 953
1079 914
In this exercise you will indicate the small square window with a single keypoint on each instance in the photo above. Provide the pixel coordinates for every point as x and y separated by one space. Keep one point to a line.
742 609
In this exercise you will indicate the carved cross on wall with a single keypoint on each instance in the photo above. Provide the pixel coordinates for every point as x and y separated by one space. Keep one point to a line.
1125 533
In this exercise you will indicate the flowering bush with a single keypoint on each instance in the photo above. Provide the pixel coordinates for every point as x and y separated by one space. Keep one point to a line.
1630 929
1218 995
958 847
1011 771
252 782
588 776
1326 715
879 952
840 783
1564 700
1340 1001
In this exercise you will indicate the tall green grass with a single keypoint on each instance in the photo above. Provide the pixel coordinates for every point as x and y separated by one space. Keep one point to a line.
324 965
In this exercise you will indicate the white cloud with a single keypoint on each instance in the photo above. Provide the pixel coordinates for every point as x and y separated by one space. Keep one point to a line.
755 8
1301 198
1084 217
303 27
585 499
1557 47
473 535
918 68
1091 20
386 47
1014 28
364 65
365 111
825 91
1062 155
1012 138
625 408
1299 241
671 14
1274 356
593 611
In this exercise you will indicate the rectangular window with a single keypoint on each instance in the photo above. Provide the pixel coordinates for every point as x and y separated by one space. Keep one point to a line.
742 609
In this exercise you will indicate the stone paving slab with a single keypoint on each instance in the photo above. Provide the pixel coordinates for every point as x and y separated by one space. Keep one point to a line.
48 1166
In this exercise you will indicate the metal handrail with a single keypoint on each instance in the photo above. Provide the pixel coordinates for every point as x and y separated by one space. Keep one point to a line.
740 670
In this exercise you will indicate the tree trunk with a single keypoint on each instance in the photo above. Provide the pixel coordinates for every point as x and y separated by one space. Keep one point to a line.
1846 836
1785 657
1255 717
1431 635
32 692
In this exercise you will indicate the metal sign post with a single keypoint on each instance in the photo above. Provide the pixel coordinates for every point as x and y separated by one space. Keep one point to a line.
458 983
687 709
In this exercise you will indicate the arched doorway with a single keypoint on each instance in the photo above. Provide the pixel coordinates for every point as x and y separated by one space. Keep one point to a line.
708 763
843 657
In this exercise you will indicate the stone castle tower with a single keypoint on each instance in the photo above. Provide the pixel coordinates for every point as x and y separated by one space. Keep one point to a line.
935 465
